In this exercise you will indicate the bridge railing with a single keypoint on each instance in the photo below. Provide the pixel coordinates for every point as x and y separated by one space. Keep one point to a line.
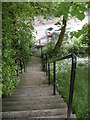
46 65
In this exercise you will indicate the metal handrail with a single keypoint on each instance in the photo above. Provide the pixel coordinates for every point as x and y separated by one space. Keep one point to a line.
73 68
61 58
21 65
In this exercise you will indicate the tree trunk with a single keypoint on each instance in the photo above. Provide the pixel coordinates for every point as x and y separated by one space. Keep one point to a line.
61 36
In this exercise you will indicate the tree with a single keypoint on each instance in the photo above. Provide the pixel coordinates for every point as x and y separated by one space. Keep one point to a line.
67 9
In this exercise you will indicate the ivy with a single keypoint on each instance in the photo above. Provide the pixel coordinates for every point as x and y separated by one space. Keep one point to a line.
17 28
17 38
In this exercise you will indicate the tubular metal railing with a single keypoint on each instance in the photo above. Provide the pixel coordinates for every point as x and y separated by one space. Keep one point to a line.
46 64
21 66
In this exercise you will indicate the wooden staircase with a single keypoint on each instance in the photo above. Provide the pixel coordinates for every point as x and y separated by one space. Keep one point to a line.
33 99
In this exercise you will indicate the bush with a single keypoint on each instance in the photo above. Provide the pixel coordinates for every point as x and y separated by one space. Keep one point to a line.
17 39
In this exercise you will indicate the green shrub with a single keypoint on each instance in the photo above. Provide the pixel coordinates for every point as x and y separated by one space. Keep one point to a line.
16 42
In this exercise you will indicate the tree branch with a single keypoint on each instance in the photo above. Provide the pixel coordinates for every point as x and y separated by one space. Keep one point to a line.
61 36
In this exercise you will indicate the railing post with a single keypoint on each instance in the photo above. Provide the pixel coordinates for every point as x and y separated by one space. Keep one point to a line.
54 77
24 66
48 73
52 70
41 52
17 72
46 65
39 42
71 86
43 60
20 65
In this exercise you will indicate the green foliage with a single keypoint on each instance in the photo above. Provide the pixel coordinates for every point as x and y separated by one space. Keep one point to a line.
73 48
74 9
78 43
50 47
66 10
77 10
83 33
37 52
17 39
17 28
44 9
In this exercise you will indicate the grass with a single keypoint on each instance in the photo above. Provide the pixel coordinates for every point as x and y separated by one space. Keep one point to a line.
80 97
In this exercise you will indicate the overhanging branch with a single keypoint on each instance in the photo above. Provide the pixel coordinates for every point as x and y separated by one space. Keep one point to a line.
61 36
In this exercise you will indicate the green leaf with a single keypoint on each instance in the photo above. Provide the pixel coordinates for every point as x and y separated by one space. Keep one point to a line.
80 16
